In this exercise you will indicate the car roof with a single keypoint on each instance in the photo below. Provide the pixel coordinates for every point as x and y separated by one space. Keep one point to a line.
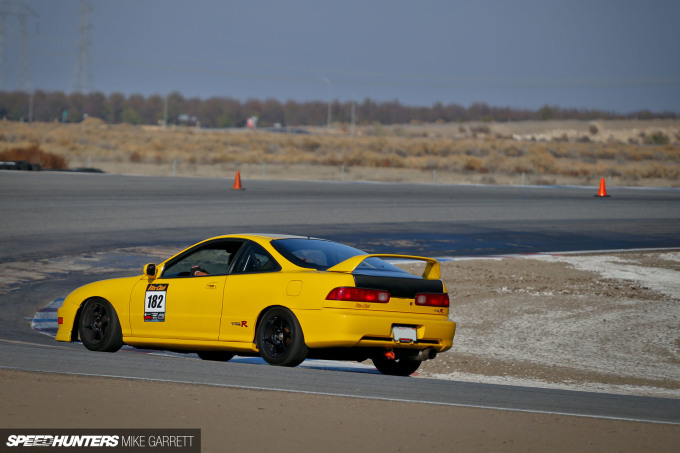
264 236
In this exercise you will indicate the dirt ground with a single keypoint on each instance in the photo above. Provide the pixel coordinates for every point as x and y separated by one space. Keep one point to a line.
643 153
259 421
594 322
599 322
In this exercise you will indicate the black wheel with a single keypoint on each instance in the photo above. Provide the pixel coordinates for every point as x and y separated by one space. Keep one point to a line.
280 339
395 367
218 356
99 327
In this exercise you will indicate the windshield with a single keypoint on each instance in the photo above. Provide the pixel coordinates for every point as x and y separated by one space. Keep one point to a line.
321 255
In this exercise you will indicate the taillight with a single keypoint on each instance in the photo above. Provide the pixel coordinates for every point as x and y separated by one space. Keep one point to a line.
432 300
60 320
350 293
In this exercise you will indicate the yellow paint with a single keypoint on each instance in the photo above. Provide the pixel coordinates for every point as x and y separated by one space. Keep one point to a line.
221 312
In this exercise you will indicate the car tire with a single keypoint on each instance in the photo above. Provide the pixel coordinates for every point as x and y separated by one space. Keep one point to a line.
217 356
99 327
395 367
280 338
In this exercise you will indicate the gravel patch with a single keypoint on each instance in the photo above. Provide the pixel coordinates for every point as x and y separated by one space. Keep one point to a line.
604 322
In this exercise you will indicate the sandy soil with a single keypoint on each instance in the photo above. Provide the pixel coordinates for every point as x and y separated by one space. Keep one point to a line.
601 322
594 322
527 152
258 421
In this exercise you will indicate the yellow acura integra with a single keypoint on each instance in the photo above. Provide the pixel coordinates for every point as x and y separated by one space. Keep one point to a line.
285 298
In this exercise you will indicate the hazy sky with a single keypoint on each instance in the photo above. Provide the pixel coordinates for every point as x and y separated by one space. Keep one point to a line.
620 55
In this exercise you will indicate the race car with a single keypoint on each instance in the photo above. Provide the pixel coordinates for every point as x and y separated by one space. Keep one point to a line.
285 298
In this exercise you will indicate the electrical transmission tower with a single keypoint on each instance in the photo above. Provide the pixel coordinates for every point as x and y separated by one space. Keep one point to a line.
82 79
22 11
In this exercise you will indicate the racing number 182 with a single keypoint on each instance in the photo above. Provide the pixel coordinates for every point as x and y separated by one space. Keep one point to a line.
155 301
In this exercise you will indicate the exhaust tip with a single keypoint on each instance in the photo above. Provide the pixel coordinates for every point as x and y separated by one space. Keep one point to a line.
426 354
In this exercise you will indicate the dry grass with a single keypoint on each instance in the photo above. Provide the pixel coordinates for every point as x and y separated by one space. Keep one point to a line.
33 154
557 153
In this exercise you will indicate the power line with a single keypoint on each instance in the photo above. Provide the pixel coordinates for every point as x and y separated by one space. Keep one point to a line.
22 12
82 78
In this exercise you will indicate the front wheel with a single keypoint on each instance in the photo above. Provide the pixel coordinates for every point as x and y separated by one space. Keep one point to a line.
395 367
99 327
280 339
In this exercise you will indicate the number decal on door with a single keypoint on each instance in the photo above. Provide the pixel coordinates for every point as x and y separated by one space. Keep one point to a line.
154 302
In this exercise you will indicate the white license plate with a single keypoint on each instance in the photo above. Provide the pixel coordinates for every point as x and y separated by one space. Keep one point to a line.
402 334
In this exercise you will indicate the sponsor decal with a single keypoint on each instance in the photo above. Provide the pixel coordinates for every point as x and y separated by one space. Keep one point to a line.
159 440
155 300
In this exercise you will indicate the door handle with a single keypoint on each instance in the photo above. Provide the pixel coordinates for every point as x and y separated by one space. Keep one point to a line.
211 285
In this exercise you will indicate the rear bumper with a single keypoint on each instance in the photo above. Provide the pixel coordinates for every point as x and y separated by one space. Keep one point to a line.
329 328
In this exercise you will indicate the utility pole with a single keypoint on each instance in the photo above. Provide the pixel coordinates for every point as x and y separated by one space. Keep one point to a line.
22 11
82 78
353 116
3 17
330 100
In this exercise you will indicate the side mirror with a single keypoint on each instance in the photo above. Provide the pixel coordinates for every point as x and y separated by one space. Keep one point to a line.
150 270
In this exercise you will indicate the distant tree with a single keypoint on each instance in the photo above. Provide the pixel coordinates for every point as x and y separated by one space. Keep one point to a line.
57 104
114 108
130 116
95 105
229 112
272 113
154 110
175 103
546 113
76 107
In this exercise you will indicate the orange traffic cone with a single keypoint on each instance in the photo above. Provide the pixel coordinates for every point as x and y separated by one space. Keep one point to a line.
603 191
237 182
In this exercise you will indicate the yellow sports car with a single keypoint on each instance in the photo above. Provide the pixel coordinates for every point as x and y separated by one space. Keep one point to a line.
285 298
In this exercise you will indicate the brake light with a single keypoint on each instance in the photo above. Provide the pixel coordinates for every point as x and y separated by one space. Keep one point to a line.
60 320
350 293
432 300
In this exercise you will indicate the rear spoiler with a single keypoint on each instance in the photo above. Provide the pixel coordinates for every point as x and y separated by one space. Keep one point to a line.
432 270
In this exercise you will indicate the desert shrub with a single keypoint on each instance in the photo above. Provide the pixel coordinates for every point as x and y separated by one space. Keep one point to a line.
481 129
543 162
657 138
35 155
157 145
606 153
477 152
514 151
475 164
310 144
558 152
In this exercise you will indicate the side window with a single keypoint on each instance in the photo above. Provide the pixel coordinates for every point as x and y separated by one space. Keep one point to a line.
211 259
255 259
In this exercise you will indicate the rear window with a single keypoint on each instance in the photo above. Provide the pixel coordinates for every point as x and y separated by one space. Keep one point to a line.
321 255
314 253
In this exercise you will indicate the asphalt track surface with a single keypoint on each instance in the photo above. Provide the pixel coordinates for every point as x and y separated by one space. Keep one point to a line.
55 214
